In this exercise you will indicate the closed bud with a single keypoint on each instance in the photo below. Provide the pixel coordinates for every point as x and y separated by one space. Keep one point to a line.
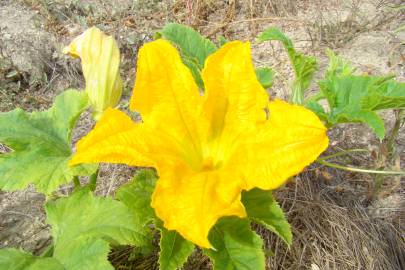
100 58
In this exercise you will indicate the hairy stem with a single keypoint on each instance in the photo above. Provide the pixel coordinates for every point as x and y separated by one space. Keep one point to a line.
297 93
342 153
353 169
390 148
394 131
93 180
48 252
76 181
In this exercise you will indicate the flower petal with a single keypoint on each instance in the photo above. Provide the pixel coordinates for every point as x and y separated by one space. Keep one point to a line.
100 57
234 97
290 140
115 139
167 97
191 202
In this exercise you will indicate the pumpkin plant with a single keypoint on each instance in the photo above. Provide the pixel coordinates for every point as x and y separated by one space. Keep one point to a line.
215 143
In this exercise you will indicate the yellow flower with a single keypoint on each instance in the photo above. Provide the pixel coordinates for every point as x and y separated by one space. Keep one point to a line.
100 57
206 148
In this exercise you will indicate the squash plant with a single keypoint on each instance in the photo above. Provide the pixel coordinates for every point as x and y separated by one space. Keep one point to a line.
217 143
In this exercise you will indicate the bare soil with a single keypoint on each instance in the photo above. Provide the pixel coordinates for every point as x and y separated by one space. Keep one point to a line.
335 223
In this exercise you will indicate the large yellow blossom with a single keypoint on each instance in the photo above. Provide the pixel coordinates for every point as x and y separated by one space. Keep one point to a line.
206 148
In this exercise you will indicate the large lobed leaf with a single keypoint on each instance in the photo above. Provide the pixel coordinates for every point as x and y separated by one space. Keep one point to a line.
194 48
236 246
304 66
191 43
262 208
354 98
84 253
83 223
174 250
13 259
137 196
83 227
40 143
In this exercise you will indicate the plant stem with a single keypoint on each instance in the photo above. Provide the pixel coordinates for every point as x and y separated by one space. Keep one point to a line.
48 251
342 153
394 131
76 181
297 93
390 147
93 180
352 169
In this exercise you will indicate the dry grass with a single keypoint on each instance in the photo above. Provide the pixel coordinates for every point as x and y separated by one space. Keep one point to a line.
333 230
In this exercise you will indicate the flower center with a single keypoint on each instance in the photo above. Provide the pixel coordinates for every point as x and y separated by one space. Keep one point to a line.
208 164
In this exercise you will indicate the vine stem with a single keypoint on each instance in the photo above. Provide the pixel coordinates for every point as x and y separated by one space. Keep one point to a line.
297 93
342 153
395 131
76 181
93 180
353 169
48 252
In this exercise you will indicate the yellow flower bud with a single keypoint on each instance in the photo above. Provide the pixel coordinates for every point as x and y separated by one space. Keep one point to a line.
100 57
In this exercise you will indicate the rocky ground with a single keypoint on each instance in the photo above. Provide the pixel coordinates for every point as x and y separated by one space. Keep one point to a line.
336 225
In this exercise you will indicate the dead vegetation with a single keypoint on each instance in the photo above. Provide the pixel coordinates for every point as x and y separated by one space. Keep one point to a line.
333 230
335 225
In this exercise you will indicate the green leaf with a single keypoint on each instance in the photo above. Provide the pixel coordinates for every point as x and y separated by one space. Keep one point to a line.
273 33
389 94
357 98
371 119
190 42
318 110
137 195
304 66
194 48
13 259
83 226
40 143
265 76
262 208
174 250
85 253
195 70
337 65
236 246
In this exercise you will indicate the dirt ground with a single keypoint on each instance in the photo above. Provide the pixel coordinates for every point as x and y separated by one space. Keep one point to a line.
335 223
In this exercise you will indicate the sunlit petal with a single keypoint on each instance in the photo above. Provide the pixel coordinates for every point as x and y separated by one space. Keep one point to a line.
168 98
115 139
233 94
191 202
234 99
290 140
